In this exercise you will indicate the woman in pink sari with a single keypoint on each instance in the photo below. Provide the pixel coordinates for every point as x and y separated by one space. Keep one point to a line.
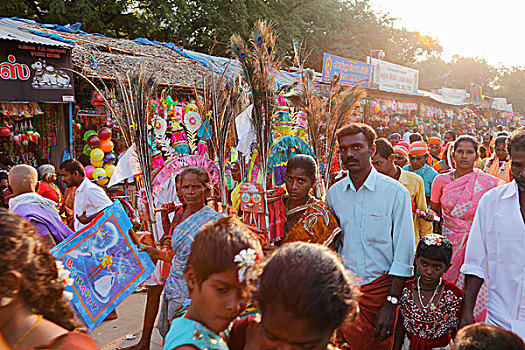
456 195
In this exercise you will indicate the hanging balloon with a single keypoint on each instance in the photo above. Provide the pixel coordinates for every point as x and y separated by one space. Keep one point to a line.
89 171
87 150
110 168
5 131
376 109
110 158
106 146
103 181
97 163
97 154
76 127
36 136
88 134
104 133
99 174
93 141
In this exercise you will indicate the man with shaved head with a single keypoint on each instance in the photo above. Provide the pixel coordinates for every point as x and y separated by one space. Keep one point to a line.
41 212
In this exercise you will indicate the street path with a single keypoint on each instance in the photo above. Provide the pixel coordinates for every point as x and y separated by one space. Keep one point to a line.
111 334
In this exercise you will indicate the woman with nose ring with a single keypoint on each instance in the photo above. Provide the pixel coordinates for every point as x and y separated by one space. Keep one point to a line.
455 196
196 187
307 219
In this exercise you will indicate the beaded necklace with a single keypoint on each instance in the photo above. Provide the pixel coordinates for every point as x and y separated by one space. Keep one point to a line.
431 302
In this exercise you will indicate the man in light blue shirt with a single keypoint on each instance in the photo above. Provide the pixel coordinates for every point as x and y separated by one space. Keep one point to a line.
375 214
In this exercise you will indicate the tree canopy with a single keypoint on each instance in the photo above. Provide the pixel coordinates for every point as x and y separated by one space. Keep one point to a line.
349 28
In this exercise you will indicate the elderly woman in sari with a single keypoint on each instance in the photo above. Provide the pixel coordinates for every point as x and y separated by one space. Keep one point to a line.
196 187
307 219
47 176
456 196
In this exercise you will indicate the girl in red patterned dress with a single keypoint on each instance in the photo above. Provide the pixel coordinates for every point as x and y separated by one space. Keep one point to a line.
429 305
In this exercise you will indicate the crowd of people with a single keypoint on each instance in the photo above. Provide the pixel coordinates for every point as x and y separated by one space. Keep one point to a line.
416 246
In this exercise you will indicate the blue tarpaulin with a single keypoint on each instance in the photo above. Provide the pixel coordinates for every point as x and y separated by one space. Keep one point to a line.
52 36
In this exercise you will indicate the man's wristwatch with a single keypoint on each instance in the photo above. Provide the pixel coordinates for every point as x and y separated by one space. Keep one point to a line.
391 299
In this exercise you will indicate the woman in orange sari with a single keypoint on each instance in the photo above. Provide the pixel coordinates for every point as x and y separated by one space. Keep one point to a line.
307 218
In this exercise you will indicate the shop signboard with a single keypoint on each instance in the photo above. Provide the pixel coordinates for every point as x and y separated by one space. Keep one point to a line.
32 72
393 77
454 96
352 72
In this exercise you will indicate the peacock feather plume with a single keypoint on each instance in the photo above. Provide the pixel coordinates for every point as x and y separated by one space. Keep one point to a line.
220 99
259 66
325 115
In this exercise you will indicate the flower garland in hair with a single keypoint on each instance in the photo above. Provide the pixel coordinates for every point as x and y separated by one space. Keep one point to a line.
247 261
63 277
432 239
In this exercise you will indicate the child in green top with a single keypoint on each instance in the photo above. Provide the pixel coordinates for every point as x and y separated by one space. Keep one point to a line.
221 267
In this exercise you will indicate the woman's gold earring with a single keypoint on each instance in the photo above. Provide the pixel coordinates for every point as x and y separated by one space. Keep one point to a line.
4 301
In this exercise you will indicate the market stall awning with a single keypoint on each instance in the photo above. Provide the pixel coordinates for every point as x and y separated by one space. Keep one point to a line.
439 98
13 30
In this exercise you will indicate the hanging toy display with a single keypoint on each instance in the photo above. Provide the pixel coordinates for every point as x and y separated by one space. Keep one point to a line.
178 127
179 138
301 124
204 134
283 121
192 121
282 150
27 132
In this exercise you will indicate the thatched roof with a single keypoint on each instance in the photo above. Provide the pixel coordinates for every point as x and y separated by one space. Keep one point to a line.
113 56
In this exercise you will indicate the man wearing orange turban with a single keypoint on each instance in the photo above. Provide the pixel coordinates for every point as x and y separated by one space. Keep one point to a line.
434 148
401 155
419 155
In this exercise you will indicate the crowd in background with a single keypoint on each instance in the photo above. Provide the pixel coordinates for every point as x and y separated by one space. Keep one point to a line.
416 246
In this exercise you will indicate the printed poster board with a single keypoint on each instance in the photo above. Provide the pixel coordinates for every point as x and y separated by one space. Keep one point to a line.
105 265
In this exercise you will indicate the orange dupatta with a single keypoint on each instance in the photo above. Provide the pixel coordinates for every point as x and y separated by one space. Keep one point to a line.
317 225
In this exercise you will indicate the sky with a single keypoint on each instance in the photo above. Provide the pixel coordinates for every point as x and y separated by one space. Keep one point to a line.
490 29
